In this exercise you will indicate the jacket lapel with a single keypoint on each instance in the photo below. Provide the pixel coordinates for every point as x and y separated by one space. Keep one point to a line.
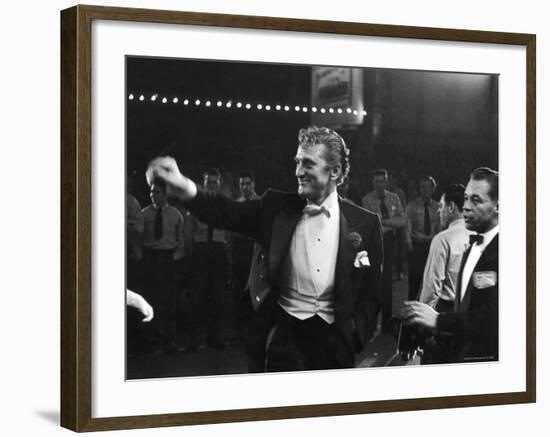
344 259
490 251
458 292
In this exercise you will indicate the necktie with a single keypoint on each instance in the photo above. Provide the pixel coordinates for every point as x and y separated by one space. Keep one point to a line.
210 234
384 209
476 238
427 224
312 210
158 225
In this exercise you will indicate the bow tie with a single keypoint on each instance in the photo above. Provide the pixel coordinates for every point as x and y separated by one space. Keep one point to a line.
476 238
312 210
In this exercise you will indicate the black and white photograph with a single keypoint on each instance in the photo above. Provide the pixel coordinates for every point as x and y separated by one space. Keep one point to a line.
275 218
289 218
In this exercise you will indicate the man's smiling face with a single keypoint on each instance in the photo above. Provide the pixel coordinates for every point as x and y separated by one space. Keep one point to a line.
316 180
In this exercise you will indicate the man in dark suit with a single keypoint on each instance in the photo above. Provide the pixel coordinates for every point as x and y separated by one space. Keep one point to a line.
471 330
315 283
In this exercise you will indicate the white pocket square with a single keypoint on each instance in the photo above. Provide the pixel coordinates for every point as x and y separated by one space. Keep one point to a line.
481 280
361 259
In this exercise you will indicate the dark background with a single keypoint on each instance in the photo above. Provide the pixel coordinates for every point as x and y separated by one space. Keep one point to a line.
439 123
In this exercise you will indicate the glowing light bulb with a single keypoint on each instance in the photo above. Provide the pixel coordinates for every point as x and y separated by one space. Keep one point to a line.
348 110
296 108
239 105
268 108
131 97
248 106
314 109
164 100
323 110
208 103
154 97
339 110
219 104
259 106
304 109
287 108
331 110
278 107
175 100
197 102
364 112
186 102
141 98
228 105
354 112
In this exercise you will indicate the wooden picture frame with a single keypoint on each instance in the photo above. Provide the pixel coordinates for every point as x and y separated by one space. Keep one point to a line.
76 217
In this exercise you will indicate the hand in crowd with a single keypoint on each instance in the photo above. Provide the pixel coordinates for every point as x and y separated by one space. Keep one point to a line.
417 313
137 301
166 168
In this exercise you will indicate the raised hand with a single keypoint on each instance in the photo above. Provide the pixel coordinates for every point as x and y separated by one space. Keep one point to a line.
166 168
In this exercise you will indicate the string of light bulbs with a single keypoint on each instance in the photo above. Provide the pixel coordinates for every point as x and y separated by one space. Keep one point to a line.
228 104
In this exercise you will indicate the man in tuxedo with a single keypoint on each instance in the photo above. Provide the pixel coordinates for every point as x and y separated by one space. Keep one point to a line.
472 327
315 284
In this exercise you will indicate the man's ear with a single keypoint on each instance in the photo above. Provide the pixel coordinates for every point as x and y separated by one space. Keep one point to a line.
335 172
497 207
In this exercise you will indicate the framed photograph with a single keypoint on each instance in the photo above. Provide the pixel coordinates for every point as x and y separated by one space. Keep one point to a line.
260 218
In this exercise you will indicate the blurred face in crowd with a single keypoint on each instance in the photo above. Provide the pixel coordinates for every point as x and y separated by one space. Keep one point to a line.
211 183
158 195
445 212
380 183
426 189
246 186
316 180
480 210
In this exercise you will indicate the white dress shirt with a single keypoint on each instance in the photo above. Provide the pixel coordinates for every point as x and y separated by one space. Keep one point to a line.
307 285
473 257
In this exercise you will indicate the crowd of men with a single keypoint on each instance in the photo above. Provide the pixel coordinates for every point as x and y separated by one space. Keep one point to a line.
311 272
170 255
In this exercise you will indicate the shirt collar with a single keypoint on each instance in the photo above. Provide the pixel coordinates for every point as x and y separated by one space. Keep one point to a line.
330 203
456 223
489 235
487 238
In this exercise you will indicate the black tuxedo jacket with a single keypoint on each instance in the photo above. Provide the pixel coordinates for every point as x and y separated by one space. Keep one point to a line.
474 323
272 220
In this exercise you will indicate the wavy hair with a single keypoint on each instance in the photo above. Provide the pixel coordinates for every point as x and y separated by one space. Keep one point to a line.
337 153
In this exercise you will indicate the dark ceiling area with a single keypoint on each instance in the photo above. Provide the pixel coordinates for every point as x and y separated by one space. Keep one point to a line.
439 123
